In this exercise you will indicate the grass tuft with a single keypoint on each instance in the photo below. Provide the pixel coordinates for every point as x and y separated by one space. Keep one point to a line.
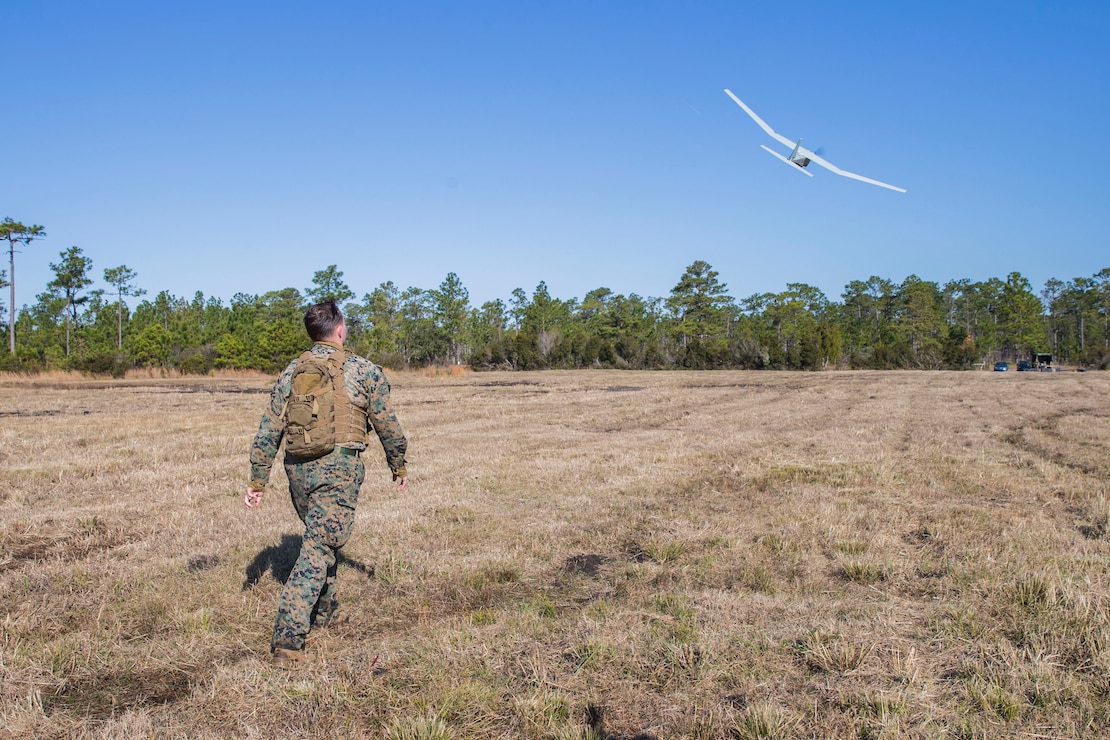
864 571
419 728
1033 591
764 722
832 654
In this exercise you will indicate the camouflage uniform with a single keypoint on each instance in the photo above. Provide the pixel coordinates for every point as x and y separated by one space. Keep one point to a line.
324 491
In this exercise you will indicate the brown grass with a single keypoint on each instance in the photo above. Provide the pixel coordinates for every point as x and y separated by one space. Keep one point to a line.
437 371
590 554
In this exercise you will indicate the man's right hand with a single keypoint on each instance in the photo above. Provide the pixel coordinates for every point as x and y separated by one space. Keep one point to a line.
404 479
253 498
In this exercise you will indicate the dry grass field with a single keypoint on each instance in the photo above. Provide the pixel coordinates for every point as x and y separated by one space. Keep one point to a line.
578 555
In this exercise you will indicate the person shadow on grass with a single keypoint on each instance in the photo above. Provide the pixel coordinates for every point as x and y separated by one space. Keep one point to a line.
279 560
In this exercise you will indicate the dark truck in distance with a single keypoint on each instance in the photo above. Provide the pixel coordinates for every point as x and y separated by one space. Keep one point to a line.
1039 361
1043 361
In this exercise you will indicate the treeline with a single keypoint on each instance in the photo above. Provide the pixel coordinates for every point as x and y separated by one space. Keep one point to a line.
876 323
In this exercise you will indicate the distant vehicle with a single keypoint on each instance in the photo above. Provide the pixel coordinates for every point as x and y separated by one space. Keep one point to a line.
1001 367
1024 366
1043 361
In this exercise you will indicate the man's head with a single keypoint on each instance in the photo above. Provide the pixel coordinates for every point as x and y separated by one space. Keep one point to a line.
324 322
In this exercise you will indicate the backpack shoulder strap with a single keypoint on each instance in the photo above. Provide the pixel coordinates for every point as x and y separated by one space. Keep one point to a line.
336 360
350 420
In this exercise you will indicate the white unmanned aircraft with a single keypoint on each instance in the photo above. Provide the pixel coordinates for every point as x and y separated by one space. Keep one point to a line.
800 157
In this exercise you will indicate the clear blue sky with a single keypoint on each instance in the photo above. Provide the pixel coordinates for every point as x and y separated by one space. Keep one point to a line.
242 146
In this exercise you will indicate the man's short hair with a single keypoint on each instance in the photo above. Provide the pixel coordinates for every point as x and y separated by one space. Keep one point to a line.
322 319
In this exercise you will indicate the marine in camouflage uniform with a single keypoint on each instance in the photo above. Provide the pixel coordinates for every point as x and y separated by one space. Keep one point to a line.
324 490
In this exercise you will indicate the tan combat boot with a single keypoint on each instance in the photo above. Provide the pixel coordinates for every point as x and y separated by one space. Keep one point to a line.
287 658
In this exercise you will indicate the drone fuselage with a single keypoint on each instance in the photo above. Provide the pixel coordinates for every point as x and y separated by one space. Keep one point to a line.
798 156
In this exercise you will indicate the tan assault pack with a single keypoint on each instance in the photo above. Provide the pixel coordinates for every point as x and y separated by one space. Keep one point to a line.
319 414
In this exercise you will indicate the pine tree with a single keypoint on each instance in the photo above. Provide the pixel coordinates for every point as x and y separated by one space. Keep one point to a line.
120 278
71 277
699 303
16 233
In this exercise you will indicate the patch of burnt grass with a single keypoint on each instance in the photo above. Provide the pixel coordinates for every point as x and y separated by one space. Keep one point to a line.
98 693
68 541
928 532
587 565
505 383
198 563
1098 524
635 552
218 389
482 590
1095 530
30 414
21 547
103 694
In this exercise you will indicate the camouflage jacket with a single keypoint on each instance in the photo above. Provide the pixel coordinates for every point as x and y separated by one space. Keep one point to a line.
367 388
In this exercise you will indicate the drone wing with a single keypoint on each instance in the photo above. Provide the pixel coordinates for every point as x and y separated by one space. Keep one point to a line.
762 124
802 150
833 168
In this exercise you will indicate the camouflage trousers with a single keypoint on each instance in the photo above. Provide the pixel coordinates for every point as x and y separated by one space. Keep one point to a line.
324 493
